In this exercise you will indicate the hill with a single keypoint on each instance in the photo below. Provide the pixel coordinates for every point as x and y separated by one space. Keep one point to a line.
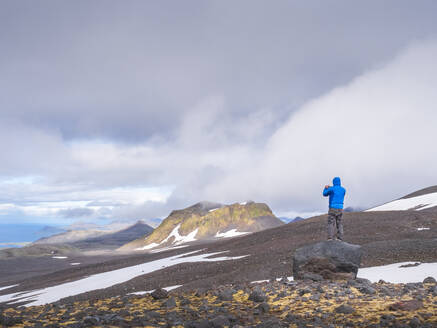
424 199
206 221
115 239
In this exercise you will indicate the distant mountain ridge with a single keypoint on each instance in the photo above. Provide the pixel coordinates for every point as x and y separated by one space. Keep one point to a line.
207 221
115 239
98 239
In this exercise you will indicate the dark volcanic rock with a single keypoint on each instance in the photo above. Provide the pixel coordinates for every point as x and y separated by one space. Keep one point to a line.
346 309
257 295
429 280
330 259
159 294
9 321
412 305
170 303
226 295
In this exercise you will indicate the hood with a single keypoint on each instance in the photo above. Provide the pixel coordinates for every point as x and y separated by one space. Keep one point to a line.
336 181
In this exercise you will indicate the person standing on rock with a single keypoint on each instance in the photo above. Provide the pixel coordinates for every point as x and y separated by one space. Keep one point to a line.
336 198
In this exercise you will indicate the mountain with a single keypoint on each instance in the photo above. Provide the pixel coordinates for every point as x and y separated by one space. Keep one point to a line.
115 239
71 236
207 221
424 199
288 220
49 230
37 251
82 230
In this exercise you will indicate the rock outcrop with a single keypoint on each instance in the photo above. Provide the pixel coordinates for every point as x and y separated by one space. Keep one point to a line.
334 260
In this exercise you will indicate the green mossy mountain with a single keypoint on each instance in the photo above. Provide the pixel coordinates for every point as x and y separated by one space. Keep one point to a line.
210 219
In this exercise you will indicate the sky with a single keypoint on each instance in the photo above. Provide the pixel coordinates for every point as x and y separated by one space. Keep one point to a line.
126 110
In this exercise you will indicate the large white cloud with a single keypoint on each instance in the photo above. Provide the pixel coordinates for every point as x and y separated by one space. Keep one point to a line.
378 133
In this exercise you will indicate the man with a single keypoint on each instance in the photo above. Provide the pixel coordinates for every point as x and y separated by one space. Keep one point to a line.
336 198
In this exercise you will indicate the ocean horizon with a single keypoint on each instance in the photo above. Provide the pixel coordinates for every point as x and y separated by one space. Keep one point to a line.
20 234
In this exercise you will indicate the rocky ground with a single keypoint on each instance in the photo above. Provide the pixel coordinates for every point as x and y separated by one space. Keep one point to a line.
385 237
353 303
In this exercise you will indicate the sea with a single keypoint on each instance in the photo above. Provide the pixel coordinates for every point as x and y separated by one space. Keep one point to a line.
18 235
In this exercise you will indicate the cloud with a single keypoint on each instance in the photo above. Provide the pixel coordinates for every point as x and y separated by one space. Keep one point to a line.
141 109
134 71
377 132
76 212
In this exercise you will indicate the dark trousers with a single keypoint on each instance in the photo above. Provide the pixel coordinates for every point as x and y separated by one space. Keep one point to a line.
334 223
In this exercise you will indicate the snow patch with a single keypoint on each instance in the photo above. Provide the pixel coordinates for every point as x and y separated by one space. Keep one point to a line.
108 279
159 250
152 245
74 263
395 274
266 280
422 228
230 233
7 287
214 209
59 257
178 239
151 291
243 203
414 203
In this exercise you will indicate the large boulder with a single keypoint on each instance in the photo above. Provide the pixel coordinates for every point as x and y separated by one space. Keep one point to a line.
334 260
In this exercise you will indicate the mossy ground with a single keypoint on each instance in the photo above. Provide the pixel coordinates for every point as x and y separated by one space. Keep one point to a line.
302 304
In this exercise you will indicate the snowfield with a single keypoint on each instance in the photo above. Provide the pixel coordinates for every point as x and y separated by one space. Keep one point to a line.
178 239
106 279
396 274
230 233
414 203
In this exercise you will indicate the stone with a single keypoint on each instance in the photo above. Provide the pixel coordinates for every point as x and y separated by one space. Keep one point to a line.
409 265
226 294
159 294
312 276
9 321
91 320
170 303
257 295
346 309
412 305
415 322
334 260
366 290
429 280
220 321
363 281
263 307
198 324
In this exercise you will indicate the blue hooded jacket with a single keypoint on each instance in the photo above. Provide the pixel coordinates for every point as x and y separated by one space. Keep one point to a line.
336 194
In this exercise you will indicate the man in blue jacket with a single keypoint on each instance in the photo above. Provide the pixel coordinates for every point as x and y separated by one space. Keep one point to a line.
336 198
